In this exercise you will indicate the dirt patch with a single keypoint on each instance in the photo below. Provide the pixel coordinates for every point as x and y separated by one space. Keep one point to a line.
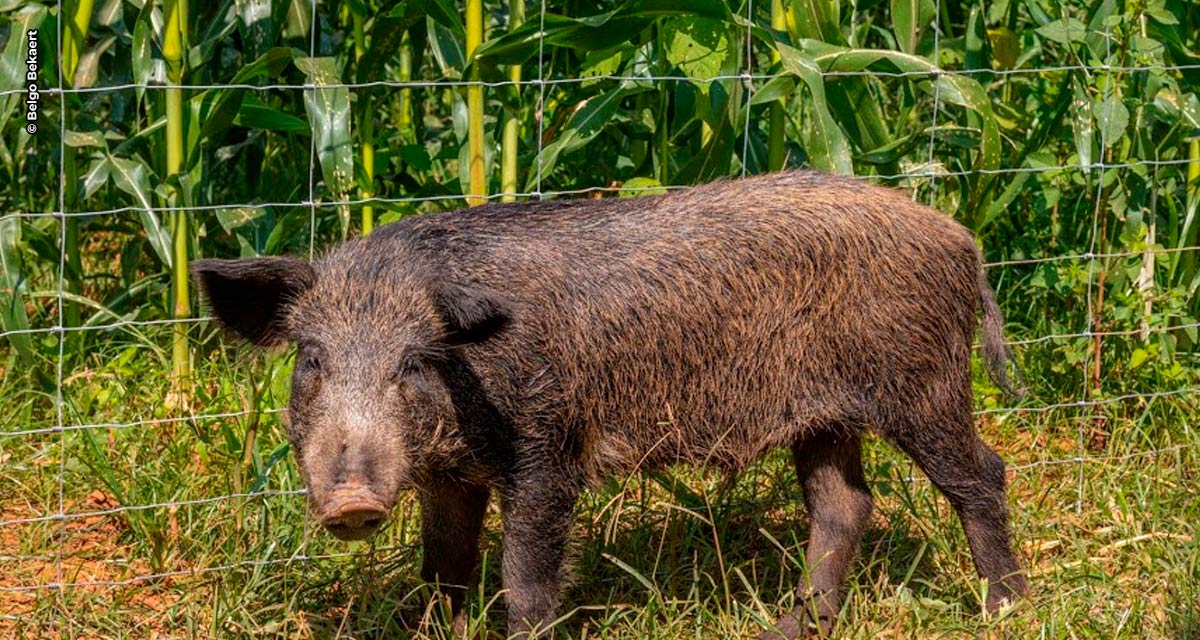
100 572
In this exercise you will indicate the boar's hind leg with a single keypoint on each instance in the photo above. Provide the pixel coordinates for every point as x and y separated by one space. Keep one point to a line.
829 466
451 521
971 476
538 513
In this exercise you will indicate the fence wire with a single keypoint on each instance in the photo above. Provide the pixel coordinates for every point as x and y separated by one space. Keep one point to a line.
1085 409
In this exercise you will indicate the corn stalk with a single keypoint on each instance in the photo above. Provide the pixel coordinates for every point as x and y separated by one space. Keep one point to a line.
777 135
1193 172
77 29
478 177
173 44
512 125
74 42
405 120
367 131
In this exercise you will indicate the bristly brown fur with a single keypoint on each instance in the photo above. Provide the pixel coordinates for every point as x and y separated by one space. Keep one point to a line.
536 348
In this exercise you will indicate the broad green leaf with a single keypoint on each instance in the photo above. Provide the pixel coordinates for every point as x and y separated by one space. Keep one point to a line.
448 48
130 176
10 261
952 88
1138 358
298 21
1157 9
387 34
588 121
1112 118
231 219
445 13
416 156
818 20
1081 125
1039 15
1000 205
1103 17
329 116
219 109
75 138
141 53
978 54
253 114
1005 48
270 63
641 186
776 88
87 71
910 18
854 104
96 176
523 43
12 303
894 151
601 63
1063 31
256 25
592 33
826 145
716 155
1176 40
260 482
699 46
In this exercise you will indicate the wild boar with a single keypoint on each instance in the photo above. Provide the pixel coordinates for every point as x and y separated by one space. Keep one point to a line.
534 349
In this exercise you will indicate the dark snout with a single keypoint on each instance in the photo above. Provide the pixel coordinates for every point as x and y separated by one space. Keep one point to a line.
353 512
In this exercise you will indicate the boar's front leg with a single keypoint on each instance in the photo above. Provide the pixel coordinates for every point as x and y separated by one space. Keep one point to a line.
538 512
451 521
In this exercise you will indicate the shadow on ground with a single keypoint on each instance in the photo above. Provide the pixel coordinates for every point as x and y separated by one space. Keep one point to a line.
654 531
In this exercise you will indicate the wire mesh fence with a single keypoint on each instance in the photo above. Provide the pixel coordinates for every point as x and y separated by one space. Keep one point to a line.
54 442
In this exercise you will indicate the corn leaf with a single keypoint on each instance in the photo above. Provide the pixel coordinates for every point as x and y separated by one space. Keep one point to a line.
329 116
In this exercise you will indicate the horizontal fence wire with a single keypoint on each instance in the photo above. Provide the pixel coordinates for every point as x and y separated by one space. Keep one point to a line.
201 571
343 202
749 79
76 515
538 82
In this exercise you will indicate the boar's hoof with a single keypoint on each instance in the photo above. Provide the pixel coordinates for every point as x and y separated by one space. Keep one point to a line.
353 513
790 627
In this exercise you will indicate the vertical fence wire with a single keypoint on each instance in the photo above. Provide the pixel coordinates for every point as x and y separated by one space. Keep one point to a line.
59 408
748 83
1092 319
937 97
313 29
541 102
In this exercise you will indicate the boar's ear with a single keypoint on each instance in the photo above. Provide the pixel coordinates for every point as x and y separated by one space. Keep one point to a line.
472 314
248 296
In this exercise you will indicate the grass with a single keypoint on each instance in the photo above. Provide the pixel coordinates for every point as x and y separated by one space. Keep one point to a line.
684 554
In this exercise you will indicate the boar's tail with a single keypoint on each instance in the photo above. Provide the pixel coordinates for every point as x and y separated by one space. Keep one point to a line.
996 353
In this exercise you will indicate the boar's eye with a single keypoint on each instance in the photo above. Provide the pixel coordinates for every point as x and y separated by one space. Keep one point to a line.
408 368
309 359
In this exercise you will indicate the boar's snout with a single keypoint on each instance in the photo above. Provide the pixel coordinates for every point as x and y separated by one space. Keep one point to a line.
353 512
